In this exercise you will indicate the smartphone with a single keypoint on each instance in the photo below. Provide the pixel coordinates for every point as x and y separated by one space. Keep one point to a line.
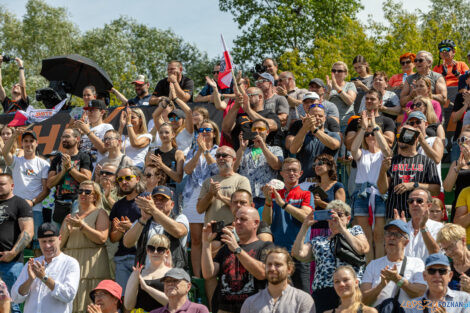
322 215
248 135
408 136
320 192
218 226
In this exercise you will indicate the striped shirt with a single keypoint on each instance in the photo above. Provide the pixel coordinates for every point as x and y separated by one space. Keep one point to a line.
418 168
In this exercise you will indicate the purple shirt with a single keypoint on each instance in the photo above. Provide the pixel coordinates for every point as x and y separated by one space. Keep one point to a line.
188 306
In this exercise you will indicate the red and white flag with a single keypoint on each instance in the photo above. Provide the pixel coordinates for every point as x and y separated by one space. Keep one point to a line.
32 115
225 73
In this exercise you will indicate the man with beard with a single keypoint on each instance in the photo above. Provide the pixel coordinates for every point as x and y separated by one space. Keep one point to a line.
141 87
48 283
279 296
16 232
67 171
253 109
183 85
406 171
124 212
214 199
19 99
238 264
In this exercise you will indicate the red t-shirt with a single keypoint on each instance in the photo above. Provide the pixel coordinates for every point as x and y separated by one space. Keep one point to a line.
451 79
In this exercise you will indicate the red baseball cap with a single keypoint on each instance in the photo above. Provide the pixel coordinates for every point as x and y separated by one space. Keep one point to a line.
110 286
140 80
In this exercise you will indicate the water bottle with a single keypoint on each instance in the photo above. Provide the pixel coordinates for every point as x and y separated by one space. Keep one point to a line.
404 77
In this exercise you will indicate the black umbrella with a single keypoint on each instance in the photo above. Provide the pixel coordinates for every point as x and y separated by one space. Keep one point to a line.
78 71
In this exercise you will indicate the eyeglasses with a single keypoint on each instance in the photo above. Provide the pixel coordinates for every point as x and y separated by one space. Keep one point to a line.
260 81
449 248
320 163
106 173
205 130
417 122
417 200
462 140
256 129
86 191
98 294
416 105
432 271
174 119
394 234
252 94
419 60
313 105
405 62
108 138
215 72
222 155
334 71
159 250
127 178
445 49
367 134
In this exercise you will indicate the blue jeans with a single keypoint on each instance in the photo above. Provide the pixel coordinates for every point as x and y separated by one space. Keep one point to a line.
455 152
37 215
9 273
301 276
124 264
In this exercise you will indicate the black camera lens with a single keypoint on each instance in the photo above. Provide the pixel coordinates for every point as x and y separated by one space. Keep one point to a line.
6 58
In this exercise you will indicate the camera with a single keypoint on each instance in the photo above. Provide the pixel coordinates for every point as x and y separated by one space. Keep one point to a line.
7 58
54 94
217 227
408 136
257 70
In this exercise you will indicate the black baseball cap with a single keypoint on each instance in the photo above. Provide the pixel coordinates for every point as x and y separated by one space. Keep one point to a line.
95 104
30 133
48 230
164 191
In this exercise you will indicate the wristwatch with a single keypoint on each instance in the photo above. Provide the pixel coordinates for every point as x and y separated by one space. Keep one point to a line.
401 282
416 184
206 152
237 251
44 279
287 96
424 230
222 97
315 131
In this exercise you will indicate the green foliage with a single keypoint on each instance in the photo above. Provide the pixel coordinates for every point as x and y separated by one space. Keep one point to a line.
124 48
273 27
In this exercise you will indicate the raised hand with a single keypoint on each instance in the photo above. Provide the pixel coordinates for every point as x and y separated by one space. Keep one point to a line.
211 82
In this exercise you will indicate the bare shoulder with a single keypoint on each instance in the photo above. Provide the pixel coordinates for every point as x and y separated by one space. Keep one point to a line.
368 309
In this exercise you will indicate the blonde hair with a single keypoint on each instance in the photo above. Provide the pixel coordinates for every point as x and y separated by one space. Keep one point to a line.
215 130
450 233
14 146
96 189
159 240
428 83
431 116
173 140
344 65
438 202
339 205
357 292
143 125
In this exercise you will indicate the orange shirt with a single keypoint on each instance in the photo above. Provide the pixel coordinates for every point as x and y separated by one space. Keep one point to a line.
451 79
396 80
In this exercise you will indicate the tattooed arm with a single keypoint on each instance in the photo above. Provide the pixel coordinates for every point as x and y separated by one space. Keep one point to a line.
27 231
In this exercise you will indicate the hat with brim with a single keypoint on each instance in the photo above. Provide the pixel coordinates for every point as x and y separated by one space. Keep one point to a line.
417 114
110 286
48 230
140 80
179 113
176 273
29 133
400 225
164 191
437 259
95 104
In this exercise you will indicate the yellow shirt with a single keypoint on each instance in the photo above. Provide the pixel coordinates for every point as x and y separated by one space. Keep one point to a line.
464 200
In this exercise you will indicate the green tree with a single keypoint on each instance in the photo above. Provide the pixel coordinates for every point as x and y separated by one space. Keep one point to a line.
273 27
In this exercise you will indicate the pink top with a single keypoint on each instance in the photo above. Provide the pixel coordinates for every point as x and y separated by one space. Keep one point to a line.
435 104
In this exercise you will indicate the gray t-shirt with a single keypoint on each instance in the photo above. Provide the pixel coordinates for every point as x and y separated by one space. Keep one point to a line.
345 111
277 104
433 76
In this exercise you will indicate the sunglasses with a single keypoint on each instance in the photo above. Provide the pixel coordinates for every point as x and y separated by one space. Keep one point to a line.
260 81
462 140
159 250
445 49
148 175
405 62
417 200
432 271
367 134
313 105
252 94
256 129
86 191
419 60
215 72
174 119
222 155
321 162
416 105
127 178
337 71
205 130
417 123
106 173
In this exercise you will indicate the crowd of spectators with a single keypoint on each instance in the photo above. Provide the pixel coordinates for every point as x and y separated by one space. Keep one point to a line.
326 199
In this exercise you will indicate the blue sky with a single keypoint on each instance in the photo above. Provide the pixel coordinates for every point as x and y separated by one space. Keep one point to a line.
199 22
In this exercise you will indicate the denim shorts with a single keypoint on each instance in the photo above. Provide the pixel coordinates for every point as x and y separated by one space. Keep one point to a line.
361 206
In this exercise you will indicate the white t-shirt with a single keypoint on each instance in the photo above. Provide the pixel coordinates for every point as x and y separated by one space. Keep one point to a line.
136 154
389 99
368 167
28 176
420 150
184 141
413 273
157 142
87 146
416 247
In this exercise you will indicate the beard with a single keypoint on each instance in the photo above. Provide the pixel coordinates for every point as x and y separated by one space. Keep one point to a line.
276 280
127 192
67 145
226 166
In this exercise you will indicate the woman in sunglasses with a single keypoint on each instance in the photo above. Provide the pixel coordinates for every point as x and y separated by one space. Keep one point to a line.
452 239
144 288
423 88
136 143
341 93
83 237
407 67
423 64
200 165
369 149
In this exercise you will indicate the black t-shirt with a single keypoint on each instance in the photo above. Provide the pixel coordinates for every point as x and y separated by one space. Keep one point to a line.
330 124
163 87
129 208
243 123
418 168
67 188
235 283
146 301
10 211
385 123
458 104
10 106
